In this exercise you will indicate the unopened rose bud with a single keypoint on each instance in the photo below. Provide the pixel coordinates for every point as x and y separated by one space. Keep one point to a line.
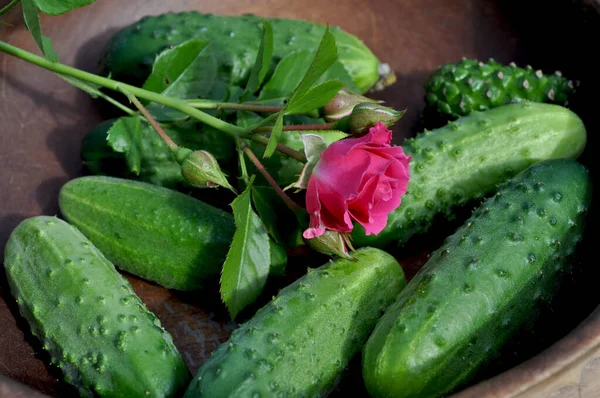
330 243
366 115
342 105
201 169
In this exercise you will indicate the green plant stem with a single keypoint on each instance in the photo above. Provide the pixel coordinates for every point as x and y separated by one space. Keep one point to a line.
300 127
208 104
8 7
170 143
288 201
242 160
266 120
94 92
294 154
174 103
118 86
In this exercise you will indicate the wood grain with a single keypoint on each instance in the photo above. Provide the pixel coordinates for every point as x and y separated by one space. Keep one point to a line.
43 121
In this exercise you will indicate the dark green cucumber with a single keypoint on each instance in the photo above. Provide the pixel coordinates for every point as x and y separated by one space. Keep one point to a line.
152 232
158 165
299 344
130 54
483 285
467 159
97 331
459 88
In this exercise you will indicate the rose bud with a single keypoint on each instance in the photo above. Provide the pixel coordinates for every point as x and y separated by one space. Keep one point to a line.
358 179
366 115
201 169
342 105
330 243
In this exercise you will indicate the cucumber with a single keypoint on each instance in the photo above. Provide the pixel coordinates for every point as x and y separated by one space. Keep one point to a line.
87 316
130 53
467 159
482 286
158 165
459 88
299 343
153 232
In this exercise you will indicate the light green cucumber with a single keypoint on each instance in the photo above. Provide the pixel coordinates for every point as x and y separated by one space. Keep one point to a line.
131 52
486 283
299 344
87 316
468 158
153 232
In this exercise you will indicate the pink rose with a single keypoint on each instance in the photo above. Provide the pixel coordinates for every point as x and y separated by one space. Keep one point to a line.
361 179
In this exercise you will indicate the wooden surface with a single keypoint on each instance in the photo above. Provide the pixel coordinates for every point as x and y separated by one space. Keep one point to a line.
43 120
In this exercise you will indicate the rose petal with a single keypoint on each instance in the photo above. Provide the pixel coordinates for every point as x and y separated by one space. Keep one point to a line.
377 166
385 200
313 207
344 173
380 135
360 206
334 211
376 222
357 179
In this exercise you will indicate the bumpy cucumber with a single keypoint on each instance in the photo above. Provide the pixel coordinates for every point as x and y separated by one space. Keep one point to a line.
130 54
485 283
152 232
467 159
97 331
299 343
158 165
460 88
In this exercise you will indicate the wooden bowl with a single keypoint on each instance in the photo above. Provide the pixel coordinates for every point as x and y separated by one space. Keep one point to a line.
43 120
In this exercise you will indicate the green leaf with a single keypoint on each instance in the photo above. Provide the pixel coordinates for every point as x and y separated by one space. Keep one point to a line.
246 118
314 146
32 21
246 268
57 7
264 203
262 63
48 49
289 73
90 88
325 56
125 136
187 71
275 136
171 63
316 97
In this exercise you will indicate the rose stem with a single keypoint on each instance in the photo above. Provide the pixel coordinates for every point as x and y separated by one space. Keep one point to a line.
170 143
145 94
294 154
118 86
242 160
300 127
8 7
288 201
206 104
